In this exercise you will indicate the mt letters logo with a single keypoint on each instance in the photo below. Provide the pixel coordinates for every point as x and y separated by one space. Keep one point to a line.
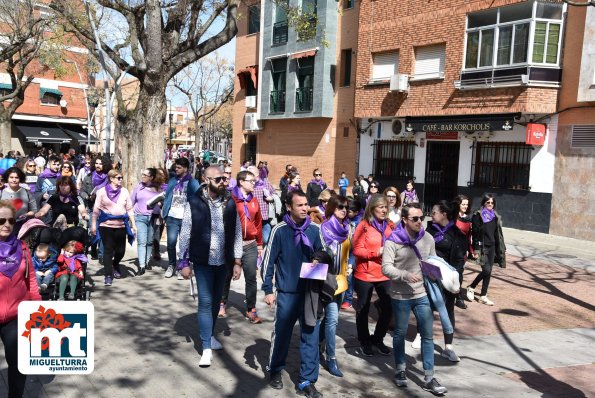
56 337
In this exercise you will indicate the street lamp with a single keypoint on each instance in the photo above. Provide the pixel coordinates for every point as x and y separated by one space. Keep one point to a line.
78 72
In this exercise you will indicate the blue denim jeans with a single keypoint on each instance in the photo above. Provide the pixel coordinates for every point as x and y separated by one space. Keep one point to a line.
328 327
49 278
266 231
210 280
423 315
348 295
173 225
144 238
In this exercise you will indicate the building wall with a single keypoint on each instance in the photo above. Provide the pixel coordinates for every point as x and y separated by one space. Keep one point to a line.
573 210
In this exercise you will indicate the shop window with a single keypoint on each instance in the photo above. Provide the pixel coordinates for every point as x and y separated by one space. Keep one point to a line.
384 65
504 165
502 36
346 56
394 159
429 62
253 19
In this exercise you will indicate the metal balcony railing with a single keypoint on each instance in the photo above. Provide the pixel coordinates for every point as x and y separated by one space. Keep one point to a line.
303 99
280 32
277 101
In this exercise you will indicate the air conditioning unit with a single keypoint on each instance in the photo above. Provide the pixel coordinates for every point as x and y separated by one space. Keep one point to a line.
525 79
250 101
399 82
251 122
400 130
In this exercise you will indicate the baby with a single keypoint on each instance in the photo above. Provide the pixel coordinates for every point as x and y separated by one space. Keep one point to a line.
45 266
71 268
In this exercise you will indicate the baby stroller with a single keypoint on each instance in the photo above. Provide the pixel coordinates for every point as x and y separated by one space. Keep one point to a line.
34 232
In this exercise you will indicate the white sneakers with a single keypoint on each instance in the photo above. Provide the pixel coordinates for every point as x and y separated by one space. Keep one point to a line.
416 344
215 344
470 293
485 300
205 360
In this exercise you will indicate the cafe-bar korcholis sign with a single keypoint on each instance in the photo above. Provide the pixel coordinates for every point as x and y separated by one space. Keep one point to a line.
463 123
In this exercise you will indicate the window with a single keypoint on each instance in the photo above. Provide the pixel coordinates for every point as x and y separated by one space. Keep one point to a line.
253 19
5 89
502 165
345 76
394 159
502 36
348 4
429 62
384 65
278 75
304 92
250 88
345 131
280 28
50 96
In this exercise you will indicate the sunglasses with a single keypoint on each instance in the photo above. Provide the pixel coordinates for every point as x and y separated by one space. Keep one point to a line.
490 203
341 207
416 218
218 179
30 165
250 181
119 178
66 167
323 201
317 175
10 220
373 186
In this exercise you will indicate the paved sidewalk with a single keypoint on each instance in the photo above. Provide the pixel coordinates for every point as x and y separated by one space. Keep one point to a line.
536 342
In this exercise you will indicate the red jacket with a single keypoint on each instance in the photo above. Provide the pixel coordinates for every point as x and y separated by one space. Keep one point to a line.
366 243
22 287
251 228
65 269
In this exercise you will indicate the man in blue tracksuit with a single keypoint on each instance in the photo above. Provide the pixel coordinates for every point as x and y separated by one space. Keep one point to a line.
292 242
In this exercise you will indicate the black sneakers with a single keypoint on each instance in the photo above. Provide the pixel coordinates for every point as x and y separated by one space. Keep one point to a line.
434 387
276 381
309 390
367 350
401 378
382 348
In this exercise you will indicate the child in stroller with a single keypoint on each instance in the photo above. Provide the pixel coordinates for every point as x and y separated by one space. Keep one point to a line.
46 267
71 268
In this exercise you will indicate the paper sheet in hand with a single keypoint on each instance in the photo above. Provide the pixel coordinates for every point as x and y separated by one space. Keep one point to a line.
430 270
314 271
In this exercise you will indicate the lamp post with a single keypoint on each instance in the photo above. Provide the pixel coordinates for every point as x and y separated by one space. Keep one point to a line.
78 72
171 116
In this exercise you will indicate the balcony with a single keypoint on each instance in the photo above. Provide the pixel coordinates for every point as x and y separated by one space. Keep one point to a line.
509 77
280 32
303 99
277 101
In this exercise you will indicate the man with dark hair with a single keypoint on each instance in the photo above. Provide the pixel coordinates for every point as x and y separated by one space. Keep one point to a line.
292 244
211 238
177 192
285 179
46 183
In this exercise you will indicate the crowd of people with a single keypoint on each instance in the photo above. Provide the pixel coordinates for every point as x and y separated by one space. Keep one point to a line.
319 251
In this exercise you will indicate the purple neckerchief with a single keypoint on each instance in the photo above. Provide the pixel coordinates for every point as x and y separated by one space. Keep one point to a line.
322 209
47 173
299 233
441 231
380 227
87 169
11 254
410 195
487 215
113 193
180 184
401 237
237 193
70 260
68 198
291 188
334 231
99 179
320 183
263 172
259 183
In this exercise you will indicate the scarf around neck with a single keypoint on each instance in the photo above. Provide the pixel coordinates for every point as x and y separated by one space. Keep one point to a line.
179 187
320 183
11 254
47 173
299 232
401 237
291 188
113 193
99 180
263 172
410 196
238 194
71 261
441 231
487 215
380 227
334 231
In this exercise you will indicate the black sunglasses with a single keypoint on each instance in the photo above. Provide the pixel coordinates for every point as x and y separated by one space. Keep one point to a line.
341 207
119 178
373 186
416 218
317 175
218 179
10 220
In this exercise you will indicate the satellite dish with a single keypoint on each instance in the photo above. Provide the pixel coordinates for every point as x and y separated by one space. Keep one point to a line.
63 103
397 127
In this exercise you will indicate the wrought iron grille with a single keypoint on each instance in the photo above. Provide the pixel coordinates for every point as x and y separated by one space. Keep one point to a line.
502 165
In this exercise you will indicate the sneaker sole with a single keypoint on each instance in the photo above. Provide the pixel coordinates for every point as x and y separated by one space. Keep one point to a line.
401 384
434 392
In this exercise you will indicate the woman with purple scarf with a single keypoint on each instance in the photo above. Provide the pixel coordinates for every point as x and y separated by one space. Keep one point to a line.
315 187
17 283
65 203
409 195
335 232
488 244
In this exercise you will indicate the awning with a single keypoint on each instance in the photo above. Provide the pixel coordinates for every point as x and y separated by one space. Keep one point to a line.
306 53
250 70
42 132
78 133
43 91
6 86
463 123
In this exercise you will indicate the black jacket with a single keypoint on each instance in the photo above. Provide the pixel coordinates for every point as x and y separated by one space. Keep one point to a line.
453 248
478 231
313 192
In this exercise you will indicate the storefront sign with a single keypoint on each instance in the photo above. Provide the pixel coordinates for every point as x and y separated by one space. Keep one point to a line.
535 134
439 135
463 123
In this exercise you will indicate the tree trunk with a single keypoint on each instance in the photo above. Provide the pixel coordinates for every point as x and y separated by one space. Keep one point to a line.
139 137
5 135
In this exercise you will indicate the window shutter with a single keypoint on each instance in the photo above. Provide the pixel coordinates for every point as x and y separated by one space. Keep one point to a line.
429 61
583 136
385 65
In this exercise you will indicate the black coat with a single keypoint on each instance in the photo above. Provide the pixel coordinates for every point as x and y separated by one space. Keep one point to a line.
453 247
478 231
313 192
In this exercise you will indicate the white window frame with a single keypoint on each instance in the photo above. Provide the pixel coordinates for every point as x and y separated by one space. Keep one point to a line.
532 22
430 75
382 78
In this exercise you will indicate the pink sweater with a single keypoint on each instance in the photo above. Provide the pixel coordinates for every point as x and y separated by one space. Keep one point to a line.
122 206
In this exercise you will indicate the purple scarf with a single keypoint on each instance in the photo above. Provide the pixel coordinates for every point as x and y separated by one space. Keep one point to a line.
291 188
380 227
68 198
47 173
99 179
87 169
410 196
320 183
263 173
113 193
70 260
487 215
238 194
11 254
441 231
180 184
401 237
334 231
299 233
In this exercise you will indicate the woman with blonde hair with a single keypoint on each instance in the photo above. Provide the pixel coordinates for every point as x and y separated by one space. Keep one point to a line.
317 213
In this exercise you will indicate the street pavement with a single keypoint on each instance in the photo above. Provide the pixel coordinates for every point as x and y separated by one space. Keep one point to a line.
537 341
